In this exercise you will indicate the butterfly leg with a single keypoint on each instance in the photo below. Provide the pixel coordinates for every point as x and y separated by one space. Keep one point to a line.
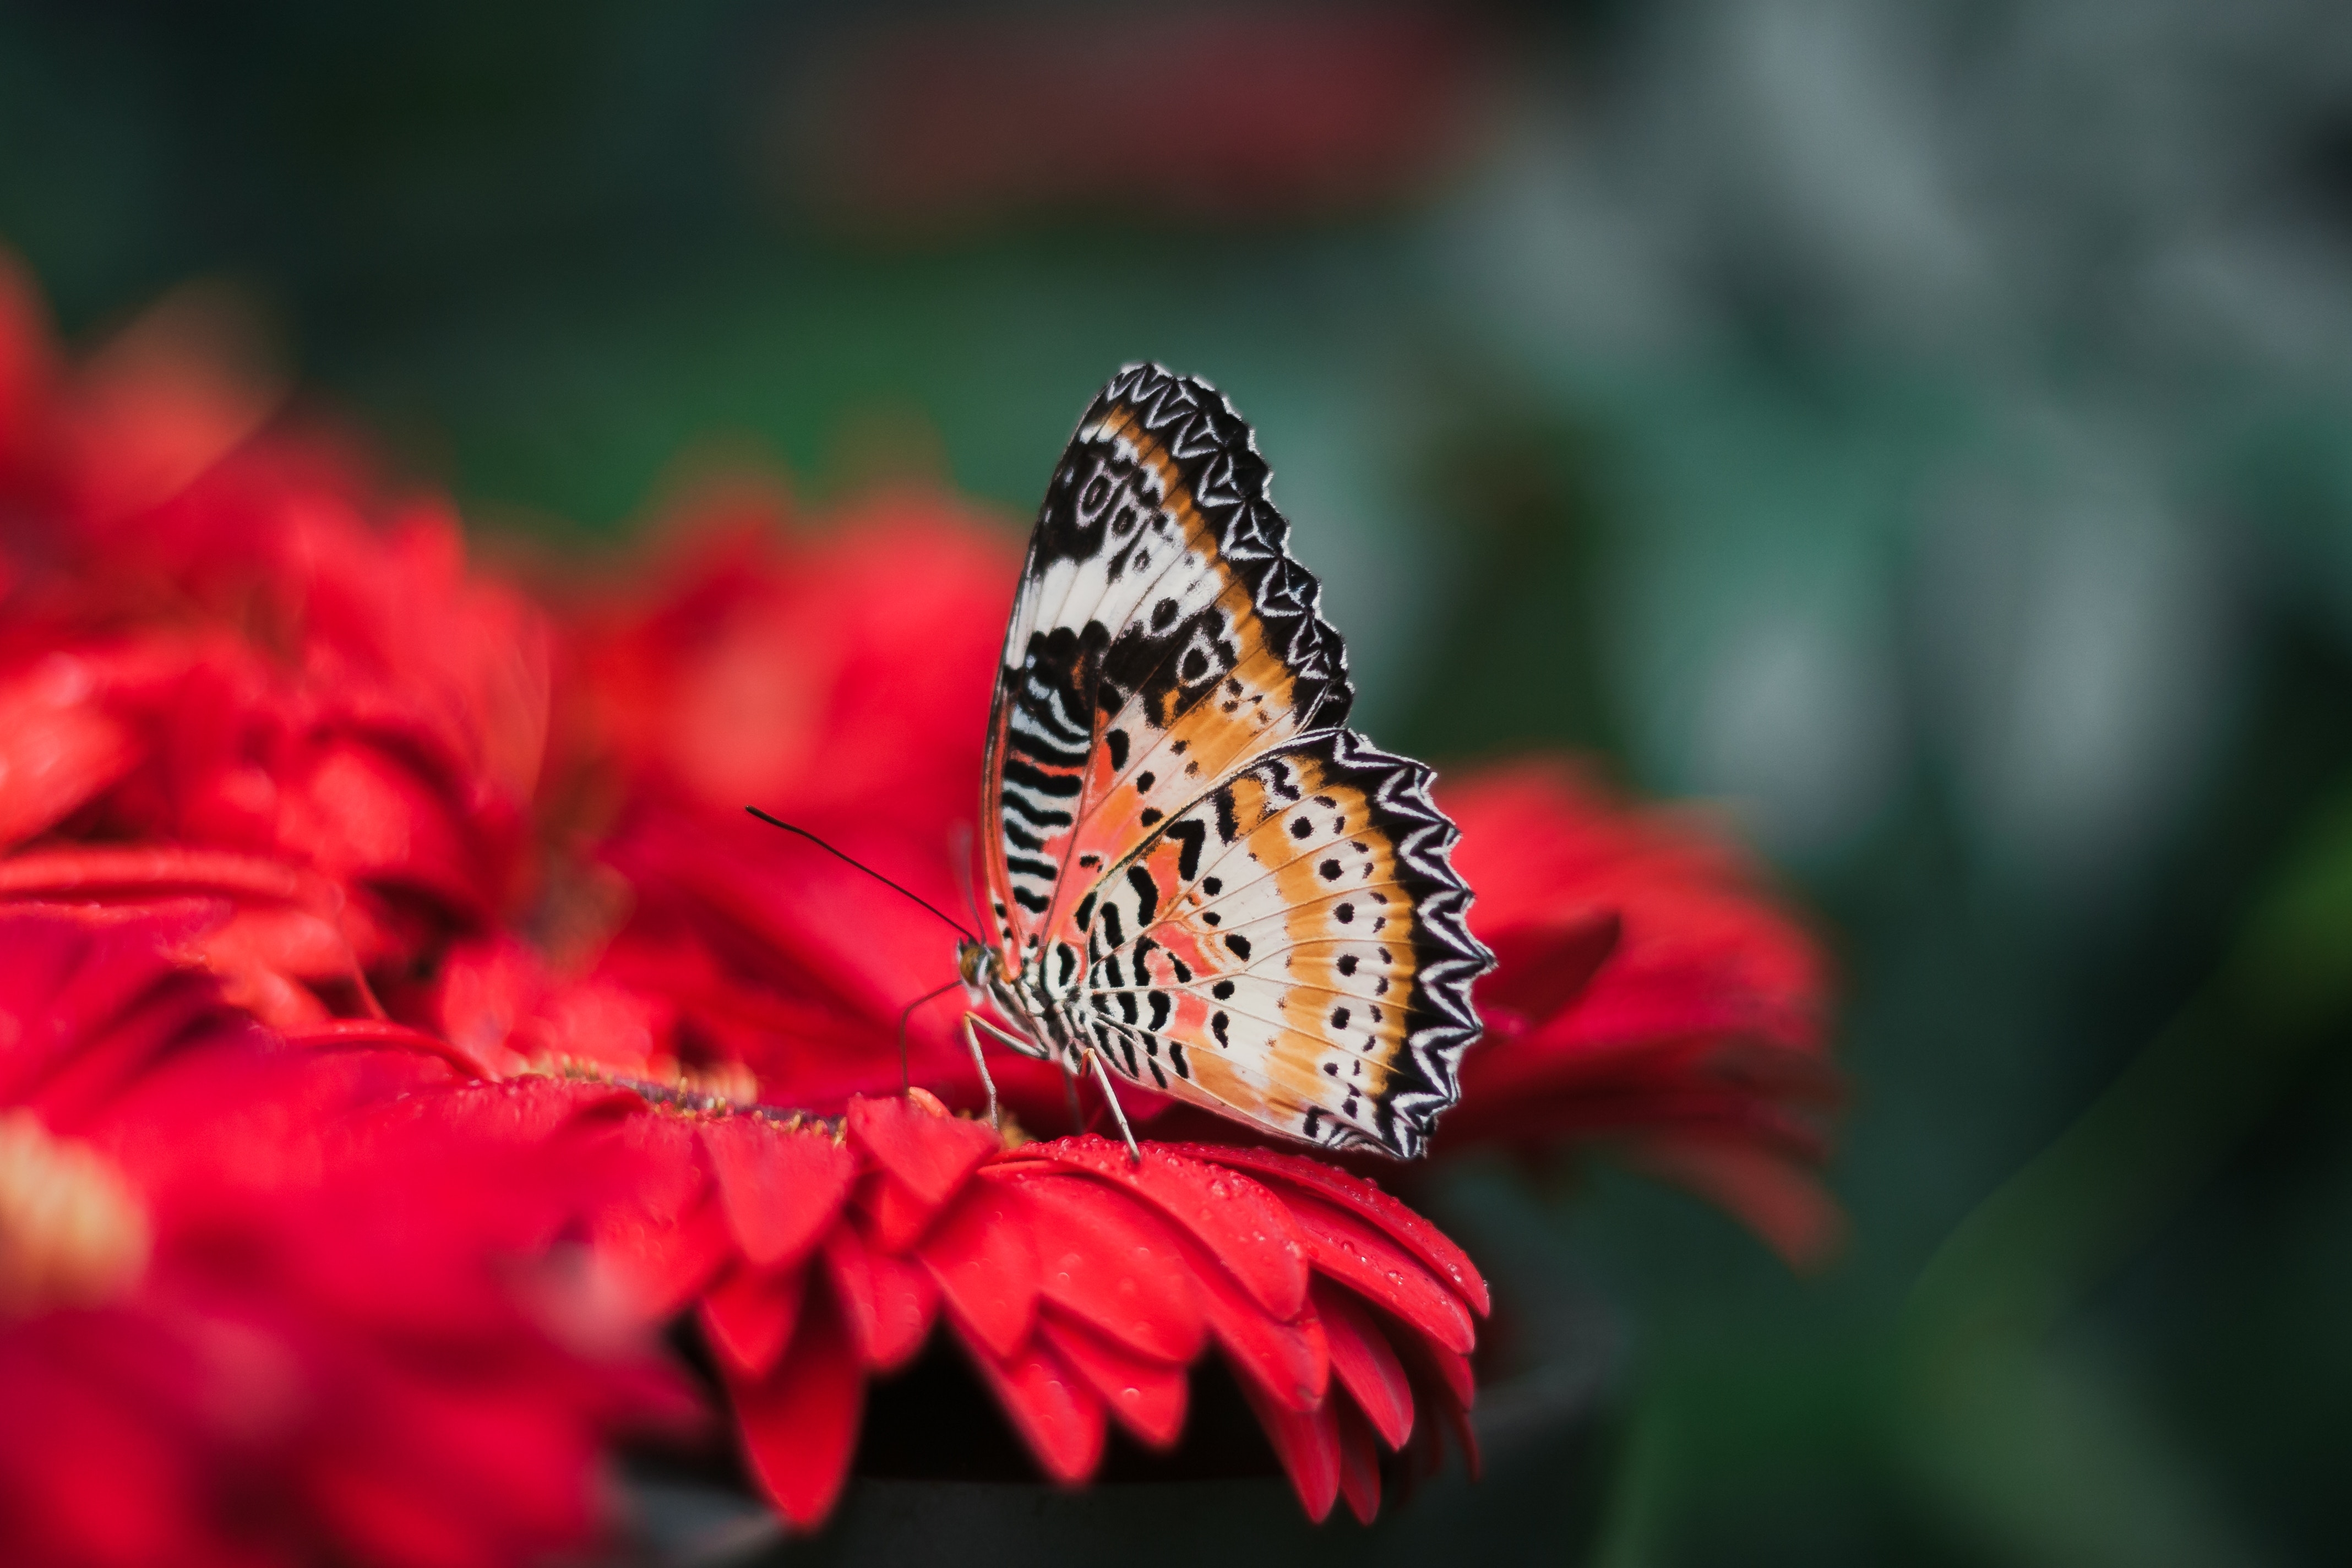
981 1064
1102 1076
1070 1097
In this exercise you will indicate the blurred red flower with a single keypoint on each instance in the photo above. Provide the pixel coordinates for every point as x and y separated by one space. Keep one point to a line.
948 121
1650 992
230 668
840 681
244 1316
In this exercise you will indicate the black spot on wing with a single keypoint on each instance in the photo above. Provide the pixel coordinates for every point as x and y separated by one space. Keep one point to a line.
1147 895
1188 833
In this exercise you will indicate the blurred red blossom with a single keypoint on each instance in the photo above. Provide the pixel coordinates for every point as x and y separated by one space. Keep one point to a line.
1273 110
840 681
249 676
244 1316
1649 991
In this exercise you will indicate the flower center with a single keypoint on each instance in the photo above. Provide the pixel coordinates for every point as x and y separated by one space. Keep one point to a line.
72 1231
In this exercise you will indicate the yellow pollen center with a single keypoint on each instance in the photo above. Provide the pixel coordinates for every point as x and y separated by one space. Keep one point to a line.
72 1231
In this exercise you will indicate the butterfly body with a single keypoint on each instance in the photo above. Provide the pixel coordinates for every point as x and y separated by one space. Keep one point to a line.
1026 999
1197 875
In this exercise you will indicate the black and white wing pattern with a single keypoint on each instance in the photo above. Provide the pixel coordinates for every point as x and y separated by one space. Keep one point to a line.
1194 868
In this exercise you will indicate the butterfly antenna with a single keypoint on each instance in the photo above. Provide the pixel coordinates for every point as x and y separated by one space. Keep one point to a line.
805 833
908 1012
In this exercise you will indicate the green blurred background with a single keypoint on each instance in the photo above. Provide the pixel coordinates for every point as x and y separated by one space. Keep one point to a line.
1925 425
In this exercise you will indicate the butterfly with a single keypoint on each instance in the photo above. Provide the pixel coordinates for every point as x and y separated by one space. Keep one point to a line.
1197 877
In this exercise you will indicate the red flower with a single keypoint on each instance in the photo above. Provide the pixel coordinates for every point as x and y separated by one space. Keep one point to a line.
245 1315
842 682
954 120
1649 992
229 667
817 1252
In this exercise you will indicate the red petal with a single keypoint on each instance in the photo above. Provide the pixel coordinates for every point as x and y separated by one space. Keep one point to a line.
1451 1398
799 1424
670 1236
349 1033
1359 1463
485 990
782 1187
931 1153
1308 1444
663 1264
898 1217
1366 1363
1056 1411
55 750
279 999
1290 1361
1455 1370
358 810
747 1317
1424 1239
1114 1263
1147 1397
985 1257
295 940
156 872
530 1110
1353 1252
1541 966
886 1302
1239 1221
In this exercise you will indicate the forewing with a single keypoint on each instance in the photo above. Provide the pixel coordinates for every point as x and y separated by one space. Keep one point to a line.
1162 637
1290 948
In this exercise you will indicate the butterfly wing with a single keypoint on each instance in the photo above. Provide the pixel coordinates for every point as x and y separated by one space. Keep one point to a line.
1162 636
1170 777
1290 948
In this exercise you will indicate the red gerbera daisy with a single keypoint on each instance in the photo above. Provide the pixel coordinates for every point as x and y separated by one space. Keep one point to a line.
1650 992
249 676
839 680
818 1251
244 1319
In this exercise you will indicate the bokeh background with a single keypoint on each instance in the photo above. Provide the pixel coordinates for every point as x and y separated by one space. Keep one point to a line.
1923 427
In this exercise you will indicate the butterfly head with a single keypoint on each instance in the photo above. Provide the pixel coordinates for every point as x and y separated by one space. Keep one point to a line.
973 962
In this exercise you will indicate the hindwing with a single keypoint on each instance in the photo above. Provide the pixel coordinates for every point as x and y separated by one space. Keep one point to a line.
1306 932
